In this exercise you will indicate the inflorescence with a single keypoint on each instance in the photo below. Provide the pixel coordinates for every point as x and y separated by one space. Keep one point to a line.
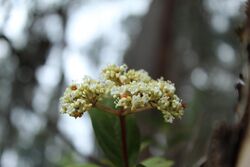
131 90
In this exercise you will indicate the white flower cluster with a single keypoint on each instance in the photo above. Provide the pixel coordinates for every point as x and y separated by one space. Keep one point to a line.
120 76
139 95
79 98
133 91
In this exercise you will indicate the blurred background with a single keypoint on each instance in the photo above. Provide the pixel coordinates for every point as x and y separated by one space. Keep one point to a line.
47 44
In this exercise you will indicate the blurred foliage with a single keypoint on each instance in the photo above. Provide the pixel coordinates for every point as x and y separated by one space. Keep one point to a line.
157 162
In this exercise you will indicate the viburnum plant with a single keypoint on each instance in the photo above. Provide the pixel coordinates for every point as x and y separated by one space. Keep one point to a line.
112 101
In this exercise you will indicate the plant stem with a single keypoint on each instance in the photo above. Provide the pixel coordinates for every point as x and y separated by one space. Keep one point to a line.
106 108
124 140
138 110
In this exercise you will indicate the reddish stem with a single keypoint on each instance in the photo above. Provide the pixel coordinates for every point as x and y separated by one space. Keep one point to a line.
124 140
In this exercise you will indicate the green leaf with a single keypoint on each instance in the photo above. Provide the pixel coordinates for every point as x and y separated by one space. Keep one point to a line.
140 165
157 162
89 165
133 139
107 162
144 144
108 134
84 165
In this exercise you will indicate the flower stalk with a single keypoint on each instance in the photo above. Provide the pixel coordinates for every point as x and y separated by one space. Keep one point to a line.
124 140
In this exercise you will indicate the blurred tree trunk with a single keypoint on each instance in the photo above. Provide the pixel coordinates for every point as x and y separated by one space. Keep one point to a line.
244 147
230 144
152 50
